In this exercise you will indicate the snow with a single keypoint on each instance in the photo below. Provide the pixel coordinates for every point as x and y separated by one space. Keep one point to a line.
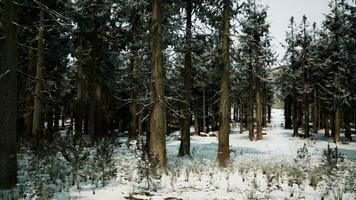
265 169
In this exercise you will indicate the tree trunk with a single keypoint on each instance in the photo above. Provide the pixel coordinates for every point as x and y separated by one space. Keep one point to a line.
258 112
134 129
332 124
100 128
96 110
37 108
158 128
295 117
326 124
28 120
224 108
184 148
241 111
133 133
264 113
49 119
258 107
347 122
204 112
288 112
8 100
79 99
269 113
300 114
196 124
306 109
250 125
315 114
337 127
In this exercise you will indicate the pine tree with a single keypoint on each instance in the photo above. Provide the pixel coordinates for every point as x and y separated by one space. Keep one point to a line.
255 56
8 99
184 148
224 106
158 128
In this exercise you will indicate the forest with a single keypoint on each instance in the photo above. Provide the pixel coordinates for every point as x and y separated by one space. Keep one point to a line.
175 99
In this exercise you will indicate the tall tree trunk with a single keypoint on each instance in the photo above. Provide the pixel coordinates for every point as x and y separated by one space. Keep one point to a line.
204 112
295 117
337 127
96 110
184 148
79 99
196 124
100 128
250 125
8 100
37 107
326 123
258 107
28 120
133 132
269 108
306 109
241 111
288 112
332 124
158 128
264 113
315 113
224 108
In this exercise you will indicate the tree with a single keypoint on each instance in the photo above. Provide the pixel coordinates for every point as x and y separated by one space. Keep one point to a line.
37 111
303 42
224 106
184 148
289 74
158 129
255 56
8 99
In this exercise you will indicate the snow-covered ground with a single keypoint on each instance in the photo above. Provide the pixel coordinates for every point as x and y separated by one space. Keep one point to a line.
258 170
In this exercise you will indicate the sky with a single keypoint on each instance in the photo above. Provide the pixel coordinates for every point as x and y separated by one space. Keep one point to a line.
280 11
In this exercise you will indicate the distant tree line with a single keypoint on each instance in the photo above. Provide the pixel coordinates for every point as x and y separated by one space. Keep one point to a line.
318 78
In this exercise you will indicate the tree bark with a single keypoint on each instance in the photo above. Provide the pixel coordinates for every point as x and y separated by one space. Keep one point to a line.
133 133
288 112
264 112
315 114
184 148
8 100
326 124
269 107
258 112
250 125
224 107
241 111
306 107
337 127
258 107
37 107
79 97
158 128
28 120
295 117
204 112
96 118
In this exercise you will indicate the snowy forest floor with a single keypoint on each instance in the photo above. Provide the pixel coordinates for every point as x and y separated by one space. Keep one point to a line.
278 167
264 169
